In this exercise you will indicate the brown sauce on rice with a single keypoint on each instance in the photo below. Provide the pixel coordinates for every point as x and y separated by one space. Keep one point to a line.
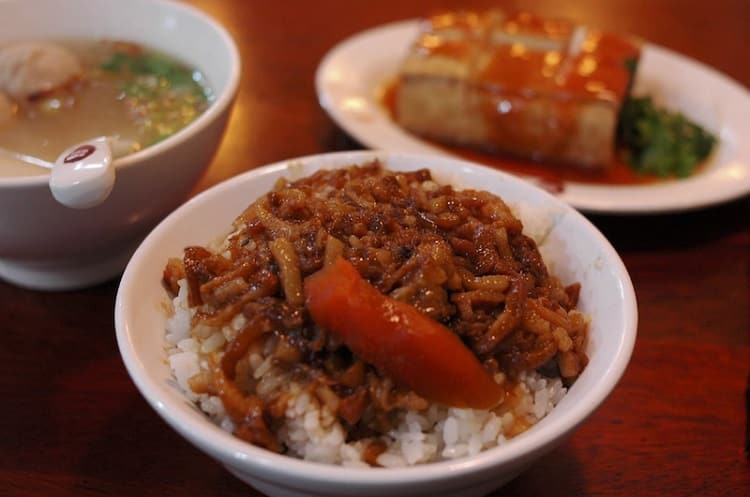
459 257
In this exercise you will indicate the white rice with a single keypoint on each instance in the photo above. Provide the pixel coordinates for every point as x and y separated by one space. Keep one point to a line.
312 432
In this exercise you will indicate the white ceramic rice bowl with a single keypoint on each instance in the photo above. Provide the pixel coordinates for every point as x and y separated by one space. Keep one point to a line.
580 253
45 245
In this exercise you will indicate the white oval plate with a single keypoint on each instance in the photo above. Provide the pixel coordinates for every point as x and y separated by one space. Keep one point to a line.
350 75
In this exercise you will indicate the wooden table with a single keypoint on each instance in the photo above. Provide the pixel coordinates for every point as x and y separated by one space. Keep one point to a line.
73 424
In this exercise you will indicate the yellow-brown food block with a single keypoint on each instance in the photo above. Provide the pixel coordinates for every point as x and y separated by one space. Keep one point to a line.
534 88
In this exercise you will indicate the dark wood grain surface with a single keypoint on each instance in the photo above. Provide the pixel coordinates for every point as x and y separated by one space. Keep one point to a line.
73 424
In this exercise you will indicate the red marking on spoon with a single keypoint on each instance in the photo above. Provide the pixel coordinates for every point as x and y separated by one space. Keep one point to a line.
79 153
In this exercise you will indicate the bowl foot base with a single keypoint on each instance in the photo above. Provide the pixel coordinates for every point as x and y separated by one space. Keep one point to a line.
67 274
275 488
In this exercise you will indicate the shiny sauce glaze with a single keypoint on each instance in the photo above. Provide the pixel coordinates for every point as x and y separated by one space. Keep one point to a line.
526 55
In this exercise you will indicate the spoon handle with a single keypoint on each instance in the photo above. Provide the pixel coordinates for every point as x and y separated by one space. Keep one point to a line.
29 159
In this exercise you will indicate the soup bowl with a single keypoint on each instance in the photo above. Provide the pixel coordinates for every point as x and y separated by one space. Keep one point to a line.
45 245
573 248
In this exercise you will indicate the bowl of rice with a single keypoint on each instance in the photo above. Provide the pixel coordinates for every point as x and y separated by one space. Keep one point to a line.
375 323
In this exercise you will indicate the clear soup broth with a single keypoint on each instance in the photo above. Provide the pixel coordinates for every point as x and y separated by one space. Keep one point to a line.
124 90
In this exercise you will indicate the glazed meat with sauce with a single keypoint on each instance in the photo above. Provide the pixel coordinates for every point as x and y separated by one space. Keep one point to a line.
459 257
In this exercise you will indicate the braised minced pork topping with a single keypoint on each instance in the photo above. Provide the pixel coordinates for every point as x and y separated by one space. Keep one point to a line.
459 257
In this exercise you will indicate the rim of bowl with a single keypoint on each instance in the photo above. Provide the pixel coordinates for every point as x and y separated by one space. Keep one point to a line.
221 102
224 446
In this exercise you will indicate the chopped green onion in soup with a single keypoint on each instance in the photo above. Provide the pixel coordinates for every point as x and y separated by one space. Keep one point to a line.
123 89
